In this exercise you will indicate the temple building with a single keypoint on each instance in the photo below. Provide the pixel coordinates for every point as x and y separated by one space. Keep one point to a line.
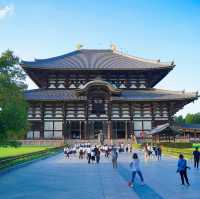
89 91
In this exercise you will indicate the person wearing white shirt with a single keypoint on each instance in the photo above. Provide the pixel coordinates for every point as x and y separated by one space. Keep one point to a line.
89 154
135 169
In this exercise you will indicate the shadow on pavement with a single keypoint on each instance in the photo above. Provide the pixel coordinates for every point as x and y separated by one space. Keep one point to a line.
143 192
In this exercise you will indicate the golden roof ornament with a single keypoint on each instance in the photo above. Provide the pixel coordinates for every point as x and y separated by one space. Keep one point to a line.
79 46
113 47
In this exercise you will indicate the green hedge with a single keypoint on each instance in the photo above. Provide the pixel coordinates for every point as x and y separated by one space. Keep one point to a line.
11 143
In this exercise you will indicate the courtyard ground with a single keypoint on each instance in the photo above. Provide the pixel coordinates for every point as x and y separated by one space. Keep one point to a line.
58 178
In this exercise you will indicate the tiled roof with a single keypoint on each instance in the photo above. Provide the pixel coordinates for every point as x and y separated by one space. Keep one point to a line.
90 59
164 129
155 94
189 126
132 95
159 128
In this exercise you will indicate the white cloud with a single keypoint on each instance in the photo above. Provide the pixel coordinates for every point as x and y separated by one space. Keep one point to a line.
6 11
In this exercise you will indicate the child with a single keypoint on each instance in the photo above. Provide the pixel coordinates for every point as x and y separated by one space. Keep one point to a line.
135 168
182 169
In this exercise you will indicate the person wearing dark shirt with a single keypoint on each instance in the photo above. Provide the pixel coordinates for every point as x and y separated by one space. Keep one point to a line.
196 155
98 156
159 152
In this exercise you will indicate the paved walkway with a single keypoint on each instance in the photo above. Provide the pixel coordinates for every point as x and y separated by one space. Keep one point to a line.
57 178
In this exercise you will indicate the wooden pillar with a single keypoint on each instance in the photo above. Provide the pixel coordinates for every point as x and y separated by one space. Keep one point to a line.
86 121
131 120
69 132
80 125
42 121
126 130
85 129
109 130
64 122
153 116
109 123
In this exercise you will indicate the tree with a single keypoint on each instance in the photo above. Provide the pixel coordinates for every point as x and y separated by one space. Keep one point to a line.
13 114
189 118
179 119
196 118
9 67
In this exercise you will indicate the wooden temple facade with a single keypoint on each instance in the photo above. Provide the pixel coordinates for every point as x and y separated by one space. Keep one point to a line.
89 91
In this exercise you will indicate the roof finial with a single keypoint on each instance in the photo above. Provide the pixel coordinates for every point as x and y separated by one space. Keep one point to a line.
79 46
113 47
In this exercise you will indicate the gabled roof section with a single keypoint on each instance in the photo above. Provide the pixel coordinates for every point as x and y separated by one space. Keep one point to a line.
98 82
164 129
149 95
93 59
159 128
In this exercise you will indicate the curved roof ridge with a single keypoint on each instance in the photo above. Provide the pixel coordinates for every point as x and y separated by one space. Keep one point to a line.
154 61
59 56
97 59
72 53
177 92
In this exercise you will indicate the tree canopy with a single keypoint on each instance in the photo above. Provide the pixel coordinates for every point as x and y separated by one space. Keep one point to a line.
188 119
13 112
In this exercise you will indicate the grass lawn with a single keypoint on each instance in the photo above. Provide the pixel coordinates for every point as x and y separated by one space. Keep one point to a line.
187 152
173 149
12 151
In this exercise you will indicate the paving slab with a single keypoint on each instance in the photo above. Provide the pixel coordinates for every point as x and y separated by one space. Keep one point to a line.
56 177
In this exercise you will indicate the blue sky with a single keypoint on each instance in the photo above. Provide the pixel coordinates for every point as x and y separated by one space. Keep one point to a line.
157 29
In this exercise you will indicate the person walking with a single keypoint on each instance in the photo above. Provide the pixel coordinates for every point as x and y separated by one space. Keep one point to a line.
196 155
88 154
98 153
65 152
159 153
135 169
182 169
114 156
145 152
106 151
92 155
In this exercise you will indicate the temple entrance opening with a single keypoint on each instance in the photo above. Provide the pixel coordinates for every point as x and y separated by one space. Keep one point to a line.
98 128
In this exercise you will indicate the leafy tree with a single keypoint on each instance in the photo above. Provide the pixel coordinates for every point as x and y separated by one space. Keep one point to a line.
13 114
196 118
179 119
9 67
192 118
189 119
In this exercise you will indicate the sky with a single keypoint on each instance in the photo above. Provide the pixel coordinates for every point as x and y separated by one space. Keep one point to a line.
154 29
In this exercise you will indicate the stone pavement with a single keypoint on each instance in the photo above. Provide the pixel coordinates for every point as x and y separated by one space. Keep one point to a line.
57 178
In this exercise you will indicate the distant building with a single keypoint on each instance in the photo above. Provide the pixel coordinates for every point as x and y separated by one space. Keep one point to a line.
89 91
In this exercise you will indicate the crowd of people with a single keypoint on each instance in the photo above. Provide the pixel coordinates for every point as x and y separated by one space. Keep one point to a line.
152 151
93 155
